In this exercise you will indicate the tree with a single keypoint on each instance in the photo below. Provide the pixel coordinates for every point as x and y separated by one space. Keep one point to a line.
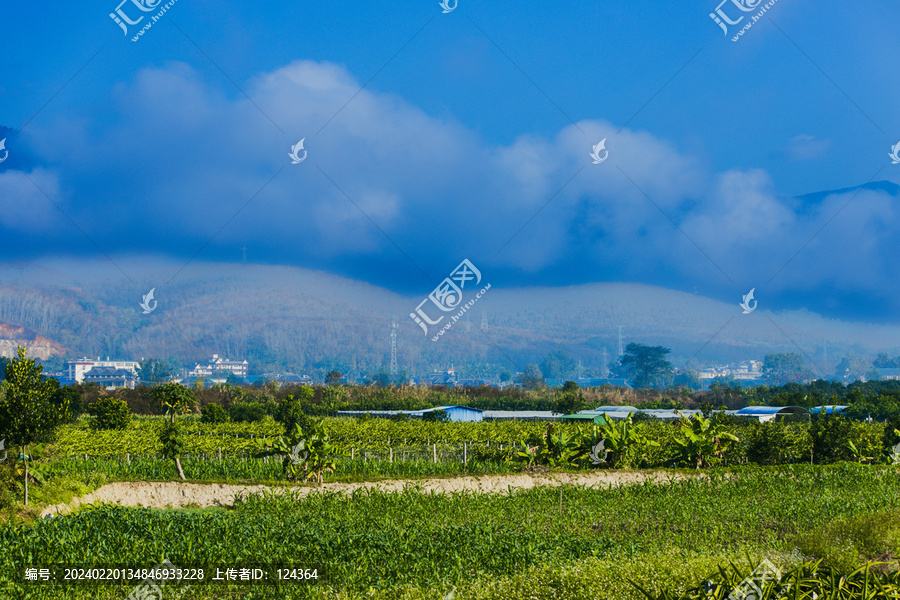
67 395
852 367
883 361
110 413
290 413
532 378
569 402
213 413
334 378
783 368
688 378
557 364
174 398
570 386
382 379
153 372
27 414
647 366
233 379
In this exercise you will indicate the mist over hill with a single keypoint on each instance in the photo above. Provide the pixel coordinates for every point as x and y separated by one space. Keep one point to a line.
289 318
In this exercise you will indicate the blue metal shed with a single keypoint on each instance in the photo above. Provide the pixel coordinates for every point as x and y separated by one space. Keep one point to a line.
829 409
456 413
769 413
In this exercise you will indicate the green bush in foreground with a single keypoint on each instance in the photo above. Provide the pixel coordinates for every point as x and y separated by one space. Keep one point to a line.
845 543
808 581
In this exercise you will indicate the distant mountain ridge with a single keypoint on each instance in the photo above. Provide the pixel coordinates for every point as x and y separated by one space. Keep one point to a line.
292 319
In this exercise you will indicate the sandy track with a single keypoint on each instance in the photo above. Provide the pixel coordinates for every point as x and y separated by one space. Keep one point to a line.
178 494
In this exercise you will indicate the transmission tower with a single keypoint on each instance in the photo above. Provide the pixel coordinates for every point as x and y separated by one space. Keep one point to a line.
621 352
393 347
605 370
244 259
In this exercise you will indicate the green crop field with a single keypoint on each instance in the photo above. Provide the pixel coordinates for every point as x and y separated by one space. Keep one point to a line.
537 543
788 492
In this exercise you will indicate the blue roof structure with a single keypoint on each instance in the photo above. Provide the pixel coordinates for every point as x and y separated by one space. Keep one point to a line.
455 413
829 409
768 413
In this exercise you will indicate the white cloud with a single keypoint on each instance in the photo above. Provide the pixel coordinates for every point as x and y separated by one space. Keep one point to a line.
183 156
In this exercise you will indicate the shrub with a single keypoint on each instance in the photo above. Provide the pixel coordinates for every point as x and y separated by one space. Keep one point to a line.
777 443
213 413
441 416
246 411
891 435
290 412
847 542
70 397
829 437
110 413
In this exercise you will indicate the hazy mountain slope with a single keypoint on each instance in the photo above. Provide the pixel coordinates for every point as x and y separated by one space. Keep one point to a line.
295 318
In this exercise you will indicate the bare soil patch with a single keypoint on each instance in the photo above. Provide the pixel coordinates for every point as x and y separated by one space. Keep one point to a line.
180 494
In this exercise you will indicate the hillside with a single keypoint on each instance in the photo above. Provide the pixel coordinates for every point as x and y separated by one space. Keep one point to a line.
291 318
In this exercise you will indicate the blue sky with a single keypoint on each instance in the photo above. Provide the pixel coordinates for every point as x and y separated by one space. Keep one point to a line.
470 140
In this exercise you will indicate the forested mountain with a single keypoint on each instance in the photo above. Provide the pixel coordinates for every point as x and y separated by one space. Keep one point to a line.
285 318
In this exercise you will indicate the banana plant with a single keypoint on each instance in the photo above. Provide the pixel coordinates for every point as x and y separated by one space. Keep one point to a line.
304 454
856 454
620 442
37 471
894 454
704 441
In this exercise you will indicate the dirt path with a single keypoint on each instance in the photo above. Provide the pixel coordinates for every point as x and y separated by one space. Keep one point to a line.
178 494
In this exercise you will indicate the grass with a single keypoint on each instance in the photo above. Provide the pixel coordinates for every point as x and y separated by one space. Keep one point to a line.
526 545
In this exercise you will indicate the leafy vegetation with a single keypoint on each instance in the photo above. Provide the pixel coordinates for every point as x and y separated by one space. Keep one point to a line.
565 543
27 414
703 442
109 413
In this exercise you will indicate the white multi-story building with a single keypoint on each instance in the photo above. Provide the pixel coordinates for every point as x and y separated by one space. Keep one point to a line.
748 370
218 366
76 369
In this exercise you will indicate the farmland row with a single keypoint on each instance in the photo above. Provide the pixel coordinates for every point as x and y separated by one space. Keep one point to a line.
483 542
